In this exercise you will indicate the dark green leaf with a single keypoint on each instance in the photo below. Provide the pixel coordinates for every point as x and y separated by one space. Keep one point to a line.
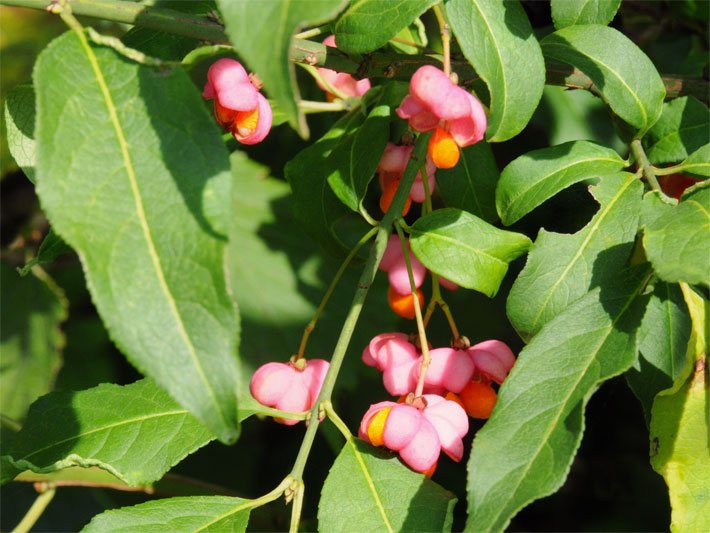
562 268
537 176
137 432
663 341
261 33
32 343
52 247
352 164
139 188
678 242
525 450
20 121
497 40
278 279
568 13
368 24
465 249
186 514
623 74
682 129
471 185
381 494
315 205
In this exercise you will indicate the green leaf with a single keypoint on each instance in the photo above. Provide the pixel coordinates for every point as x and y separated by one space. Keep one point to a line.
623 74
278 279
562 268
682 129
352 164
698 162
537 176
183 514
31 342
471 185
20 121
465 249
678 242
139 188
566 13
415 34
680 429
315 205
136 432
52 247
382 495
663 340
368 24
525 450
497 40
261 33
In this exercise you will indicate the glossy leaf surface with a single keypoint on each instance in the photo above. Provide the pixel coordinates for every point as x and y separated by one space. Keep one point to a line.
623 74
562 267
497 40
681 130
382 494
465 249
525 450
138 187
678 242
536 176
368 24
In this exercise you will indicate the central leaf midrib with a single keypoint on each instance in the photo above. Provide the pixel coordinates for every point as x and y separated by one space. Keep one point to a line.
371 485
140 212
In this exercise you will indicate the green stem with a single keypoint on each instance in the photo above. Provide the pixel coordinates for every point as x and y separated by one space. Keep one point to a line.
445 37
9 423
643 164
297 506
38 507
329 292
308 106
336 420
424 344
313 32
363 286
667 170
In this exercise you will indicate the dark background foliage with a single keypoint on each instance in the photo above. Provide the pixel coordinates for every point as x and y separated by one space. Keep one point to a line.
611 486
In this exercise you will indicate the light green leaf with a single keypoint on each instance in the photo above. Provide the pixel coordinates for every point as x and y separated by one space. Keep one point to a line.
352 164
537 176
465 249
471 185
663 340
698 162
682 129
382 495
623 74
570 12
261 33
496 38
32 342
562 268
525 450
138 185
278 278
185 514
136 432
678 242
20 121
680 429
315 205
52 247
415 34
368 24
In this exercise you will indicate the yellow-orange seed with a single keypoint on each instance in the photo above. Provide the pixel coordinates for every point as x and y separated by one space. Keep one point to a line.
224 115
403 304
376 429
443 150
478 399
245 122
